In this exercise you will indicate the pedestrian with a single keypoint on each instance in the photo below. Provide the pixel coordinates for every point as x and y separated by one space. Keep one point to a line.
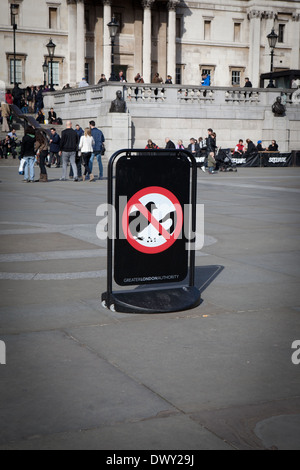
5 111
98 147
205 79
193 147
180 144
273 147
102 78
121 76
68 148
86 145
151 145
83 83
251 149
211 163
248 83
239 149
169 143
9 147
41 148
28 153
54 148
9 97
39 100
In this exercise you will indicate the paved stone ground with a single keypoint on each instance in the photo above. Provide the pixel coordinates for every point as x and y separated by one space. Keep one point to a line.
220 376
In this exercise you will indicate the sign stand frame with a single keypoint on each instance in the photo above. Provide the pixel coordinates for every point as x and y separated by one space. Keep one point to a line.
155 299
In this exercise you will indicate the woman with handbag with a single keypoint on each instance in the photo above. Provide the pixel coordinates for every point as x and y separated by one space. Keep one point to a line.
41 148
86 147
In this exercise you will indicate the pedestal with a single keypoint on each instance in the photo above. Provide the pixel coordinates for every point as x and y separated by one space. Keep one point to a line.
116 128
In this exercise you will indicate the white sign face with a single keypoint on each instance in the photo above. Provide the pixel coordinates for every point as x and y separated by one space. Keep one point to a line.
152 220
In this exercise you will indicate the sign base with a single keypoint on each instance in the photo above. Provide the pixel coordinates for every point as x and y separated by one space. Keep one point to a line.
153 301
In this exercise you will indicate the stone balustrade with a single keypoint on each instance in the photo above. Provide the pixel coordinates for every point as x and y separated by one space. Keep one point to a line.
159 110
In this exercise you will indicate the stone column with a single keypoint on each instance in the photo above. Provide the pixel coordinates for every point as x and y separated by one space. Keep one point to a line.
171 51
254 47
80 41
295 61
106 38
72 42
147 40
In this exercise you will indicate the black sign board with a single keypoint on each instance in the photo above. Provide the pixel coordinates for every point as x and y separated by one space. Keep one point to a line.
152 223
152 193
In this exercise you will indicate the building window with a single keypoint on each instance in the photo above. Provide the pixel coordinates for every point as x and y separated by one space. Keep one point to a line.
178 27
281 29
235 77
237 32
53 18
207 29
87 71
178 76
18 71
55 66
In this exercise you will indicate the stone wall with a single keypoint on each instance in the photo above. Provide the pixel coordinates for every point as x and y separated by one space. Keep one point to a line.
180 112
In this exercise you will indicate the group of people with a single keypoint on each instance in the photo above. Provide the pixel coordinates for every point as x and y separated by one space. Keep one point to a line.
250 149
75 146
202 147
8 145
207 147
28 100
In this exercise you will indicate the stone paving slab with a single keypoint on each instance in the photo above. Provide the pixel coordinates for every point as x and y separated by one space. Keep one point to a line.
220 376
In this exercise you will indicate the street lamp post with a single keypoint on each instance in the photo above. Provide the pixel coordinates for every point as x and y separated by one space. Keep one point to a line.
272 39
14 9
51 49
113 26
45 70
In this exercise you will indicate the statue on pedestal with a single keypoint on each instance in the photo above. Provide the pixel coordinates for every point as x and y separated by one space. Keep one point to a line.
118 105
278 108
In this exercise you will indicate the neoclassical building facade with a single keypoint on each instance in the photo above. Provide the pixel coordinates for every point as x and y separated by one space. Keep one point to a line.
182 38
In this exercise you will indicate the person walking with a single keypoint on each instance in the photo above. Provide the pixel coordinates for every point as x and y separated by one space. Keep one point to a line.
54 148
28 153
5 111
99 139
68 149
86 145
41 149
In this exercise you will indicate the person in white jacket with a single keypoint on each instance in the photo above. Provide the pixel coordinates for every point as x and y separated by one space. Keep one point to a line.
86 147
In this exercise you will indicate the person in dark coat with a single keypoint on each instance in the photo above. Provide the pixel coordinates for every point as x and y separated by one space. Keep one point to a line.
54 148
169 144
39 101
251 149
28 153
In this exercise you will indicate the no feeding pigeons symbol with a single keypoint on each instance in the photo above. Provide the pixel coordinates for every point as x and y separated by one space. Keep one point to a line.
152 220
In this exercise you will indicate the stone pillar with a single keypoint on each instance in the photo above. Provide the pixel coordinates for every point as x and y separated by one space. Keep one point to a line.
295 60
171 51
147 40
72 42
80 41
106 38
254 47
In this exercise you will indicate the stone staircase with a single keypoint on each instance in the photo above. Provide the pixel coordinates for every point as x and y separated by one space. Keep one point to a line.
19 122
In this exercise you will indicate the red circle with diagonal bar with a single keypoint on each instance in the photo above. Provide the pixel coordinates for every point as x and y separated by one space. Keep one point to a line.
156 216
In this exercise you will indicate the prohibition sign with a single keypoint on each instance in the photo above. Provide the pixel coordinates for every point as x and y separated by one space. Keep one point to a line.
160 220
